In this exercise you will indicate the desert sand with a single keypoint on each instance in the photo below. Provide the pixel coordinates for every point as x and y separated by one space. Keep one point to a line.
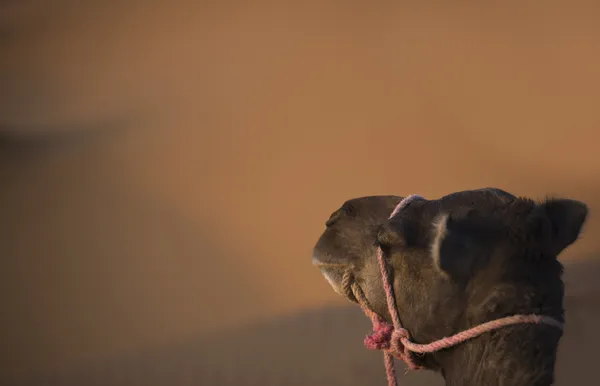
166 168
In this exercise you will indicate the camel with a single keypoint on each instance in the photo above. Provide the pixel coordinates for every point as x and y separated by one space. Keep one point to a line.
457 262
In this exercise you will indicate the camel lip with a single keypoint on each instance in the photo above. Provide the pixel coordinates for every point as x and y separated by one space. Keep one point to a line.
332 274
334 280
319 263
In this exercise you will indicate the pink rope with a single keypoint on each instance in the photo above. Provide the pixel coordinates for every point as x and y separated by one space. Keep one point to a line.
395 341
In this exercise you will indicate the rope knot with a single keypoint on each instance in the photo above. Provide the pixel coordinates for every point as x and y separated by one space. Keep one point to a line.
397 341
399 334
386 338
380 338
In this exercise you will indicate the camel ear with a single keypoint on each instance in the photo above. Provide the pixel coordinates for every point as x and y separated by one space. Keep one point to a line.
399 232
564 220
460 244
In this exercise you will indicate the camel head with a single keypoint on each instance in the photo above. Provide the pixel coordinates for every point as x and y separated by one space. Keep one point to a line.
456 262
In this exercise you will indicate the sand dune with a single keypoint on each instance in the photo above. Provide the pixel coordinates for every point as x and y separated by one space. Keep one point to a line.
165 168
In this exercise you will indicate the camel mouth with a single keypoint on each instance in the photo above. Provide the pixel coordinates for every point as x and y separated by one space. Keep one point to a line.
317 262
337 274
335 277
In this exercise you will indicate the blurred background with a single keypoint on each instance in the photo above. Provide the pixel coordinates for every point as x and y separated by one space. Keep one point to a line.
167 166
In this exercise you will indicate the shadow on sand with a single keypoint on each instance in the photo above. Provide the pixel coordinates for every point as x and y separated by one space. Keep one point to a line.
320 347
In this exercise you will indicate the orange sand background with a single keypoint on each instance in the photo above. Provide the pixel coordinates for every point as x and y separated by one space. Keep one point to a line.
165 168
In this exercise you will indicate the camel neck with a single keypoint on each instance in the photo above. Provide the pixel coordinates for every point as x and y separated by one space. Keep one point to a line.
519 356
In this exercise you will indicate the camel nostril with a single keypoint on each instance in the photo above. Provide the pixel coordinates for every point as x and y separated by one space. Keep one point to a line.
333 218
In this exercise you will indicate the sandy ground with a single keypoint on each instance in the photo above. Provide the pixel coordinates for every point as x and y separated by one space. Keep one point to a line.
317 347
166 168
